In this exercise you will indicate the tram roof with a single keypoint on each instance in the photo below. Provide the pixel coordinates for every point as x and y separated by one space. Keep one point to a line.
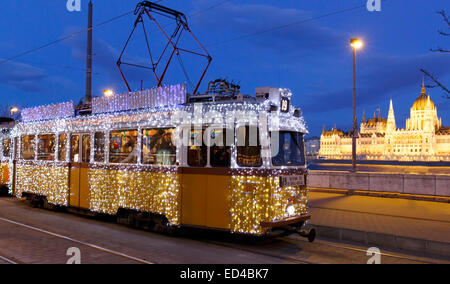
164 101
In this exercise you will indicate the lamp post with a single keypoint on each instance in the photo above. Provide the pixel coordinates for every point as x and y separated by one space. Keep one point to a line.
356 44
14 110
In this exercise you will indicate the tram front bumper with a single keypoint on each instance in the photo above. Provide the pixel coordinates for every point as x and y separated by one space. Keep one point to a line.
285 222
297 225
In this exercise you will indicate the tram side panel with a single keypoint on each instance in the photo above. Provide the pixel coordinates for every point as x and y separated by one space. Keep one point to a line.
4 173
142 189
49 180
205 198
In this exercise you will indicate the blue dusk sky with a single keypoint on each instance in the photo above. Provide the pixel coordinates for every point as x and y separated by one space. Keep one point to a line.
308 54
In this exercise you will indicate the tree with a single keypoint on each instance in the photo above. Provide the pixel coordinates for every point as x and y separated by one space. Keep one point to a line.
446 19
5 111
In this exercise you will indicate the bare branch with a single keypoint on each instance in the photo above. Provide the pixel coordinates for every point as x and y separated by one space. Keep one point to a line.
439 50
4 111
437 82
444 16
443 33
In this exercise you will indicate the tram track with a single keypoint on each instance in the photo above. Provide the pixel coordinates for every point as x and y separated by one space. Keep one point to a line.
360 250
323 243
86 244
255 251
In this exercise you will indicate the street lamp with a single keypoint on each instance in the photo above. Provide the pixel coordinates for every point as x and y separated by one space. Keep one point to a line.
108 93
14 110
356 44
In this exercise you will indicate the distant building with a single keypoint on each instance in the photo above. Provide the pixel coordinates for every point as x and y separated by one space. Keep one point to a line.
312 146
423 139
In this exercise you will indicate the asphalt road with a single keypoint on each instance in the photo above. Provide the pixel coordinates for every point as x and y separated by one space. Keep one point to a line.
29 235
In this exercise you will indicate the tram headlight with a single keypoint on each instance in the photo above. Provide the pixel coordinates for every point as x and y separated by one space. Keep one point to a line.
290 210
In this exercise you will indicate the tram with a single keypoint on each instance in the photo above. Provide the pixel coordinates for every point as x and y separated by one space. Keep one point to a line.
162 159
6 124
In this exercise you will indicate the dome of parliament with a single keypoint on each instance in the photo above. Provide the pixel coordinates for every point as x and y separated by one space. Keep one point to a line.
421 102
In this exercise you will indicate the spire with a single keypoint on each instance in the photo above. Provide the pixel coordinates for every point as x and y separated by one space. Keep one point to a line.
379 115
423 92
323 130
391 118
364 116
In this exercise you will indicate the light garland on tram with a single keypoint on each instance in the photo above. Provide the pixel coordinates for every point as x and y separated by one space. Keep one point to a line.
147 188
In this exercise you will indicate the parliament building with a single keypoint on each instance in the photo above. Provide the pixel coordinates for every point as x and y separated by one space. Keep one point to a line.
423 139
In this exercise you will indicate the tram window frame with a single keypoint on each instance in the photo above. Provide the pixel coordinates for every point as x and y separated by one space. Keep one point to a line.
6 155
49 155
153 143
99 152
246 145
276 161
62 147
86 149
75 151
202 160
33 142
225 147
16 148
134 151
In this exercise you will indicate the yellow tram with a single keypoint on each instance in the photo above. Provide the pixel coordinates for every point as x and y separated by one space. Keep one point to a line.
6 124
163 159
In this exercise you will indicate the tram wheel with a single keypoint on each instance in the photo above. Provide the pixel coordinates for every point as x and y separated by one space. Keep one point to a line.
37 201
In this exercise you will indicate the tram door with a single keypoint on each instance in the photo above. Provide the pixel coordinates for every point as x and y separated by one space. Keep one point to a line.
80 145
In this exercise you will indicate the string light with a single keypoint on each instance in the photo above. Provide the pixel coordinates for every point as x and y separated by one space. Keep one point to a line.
48 112
255 193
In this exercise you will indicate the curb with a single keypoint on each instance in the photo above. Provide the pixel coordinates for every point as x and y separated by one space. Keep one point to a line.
382 194
385 240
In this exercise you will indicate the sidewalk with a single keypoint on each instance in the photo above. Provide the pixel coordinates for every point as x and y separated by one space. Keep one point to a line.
412 225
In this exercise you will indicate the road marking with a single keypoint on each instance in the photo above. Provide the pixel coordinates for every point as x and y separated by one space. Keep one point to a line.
7 260
76 241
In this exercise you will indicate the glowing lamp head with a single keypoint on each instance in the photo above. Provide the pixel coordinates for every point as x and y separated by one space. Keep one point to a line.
108 93
290 210
13 111
356 43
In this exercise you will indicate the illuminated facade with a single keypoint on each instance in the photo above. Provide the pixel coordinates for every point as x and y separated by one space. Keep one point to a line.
423 138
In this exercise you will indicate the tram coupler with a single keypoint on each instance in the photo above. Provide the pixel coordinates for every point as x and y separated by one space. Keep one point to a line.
308 231
305 230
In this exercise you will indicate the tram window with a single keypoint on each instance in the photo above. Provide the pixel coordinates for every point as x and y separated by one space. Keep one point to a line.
248 147
197 150
158 146
86 148
123 147
46 147
28 144
75 149
6 148
99 147
62 151
287 148
220 150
